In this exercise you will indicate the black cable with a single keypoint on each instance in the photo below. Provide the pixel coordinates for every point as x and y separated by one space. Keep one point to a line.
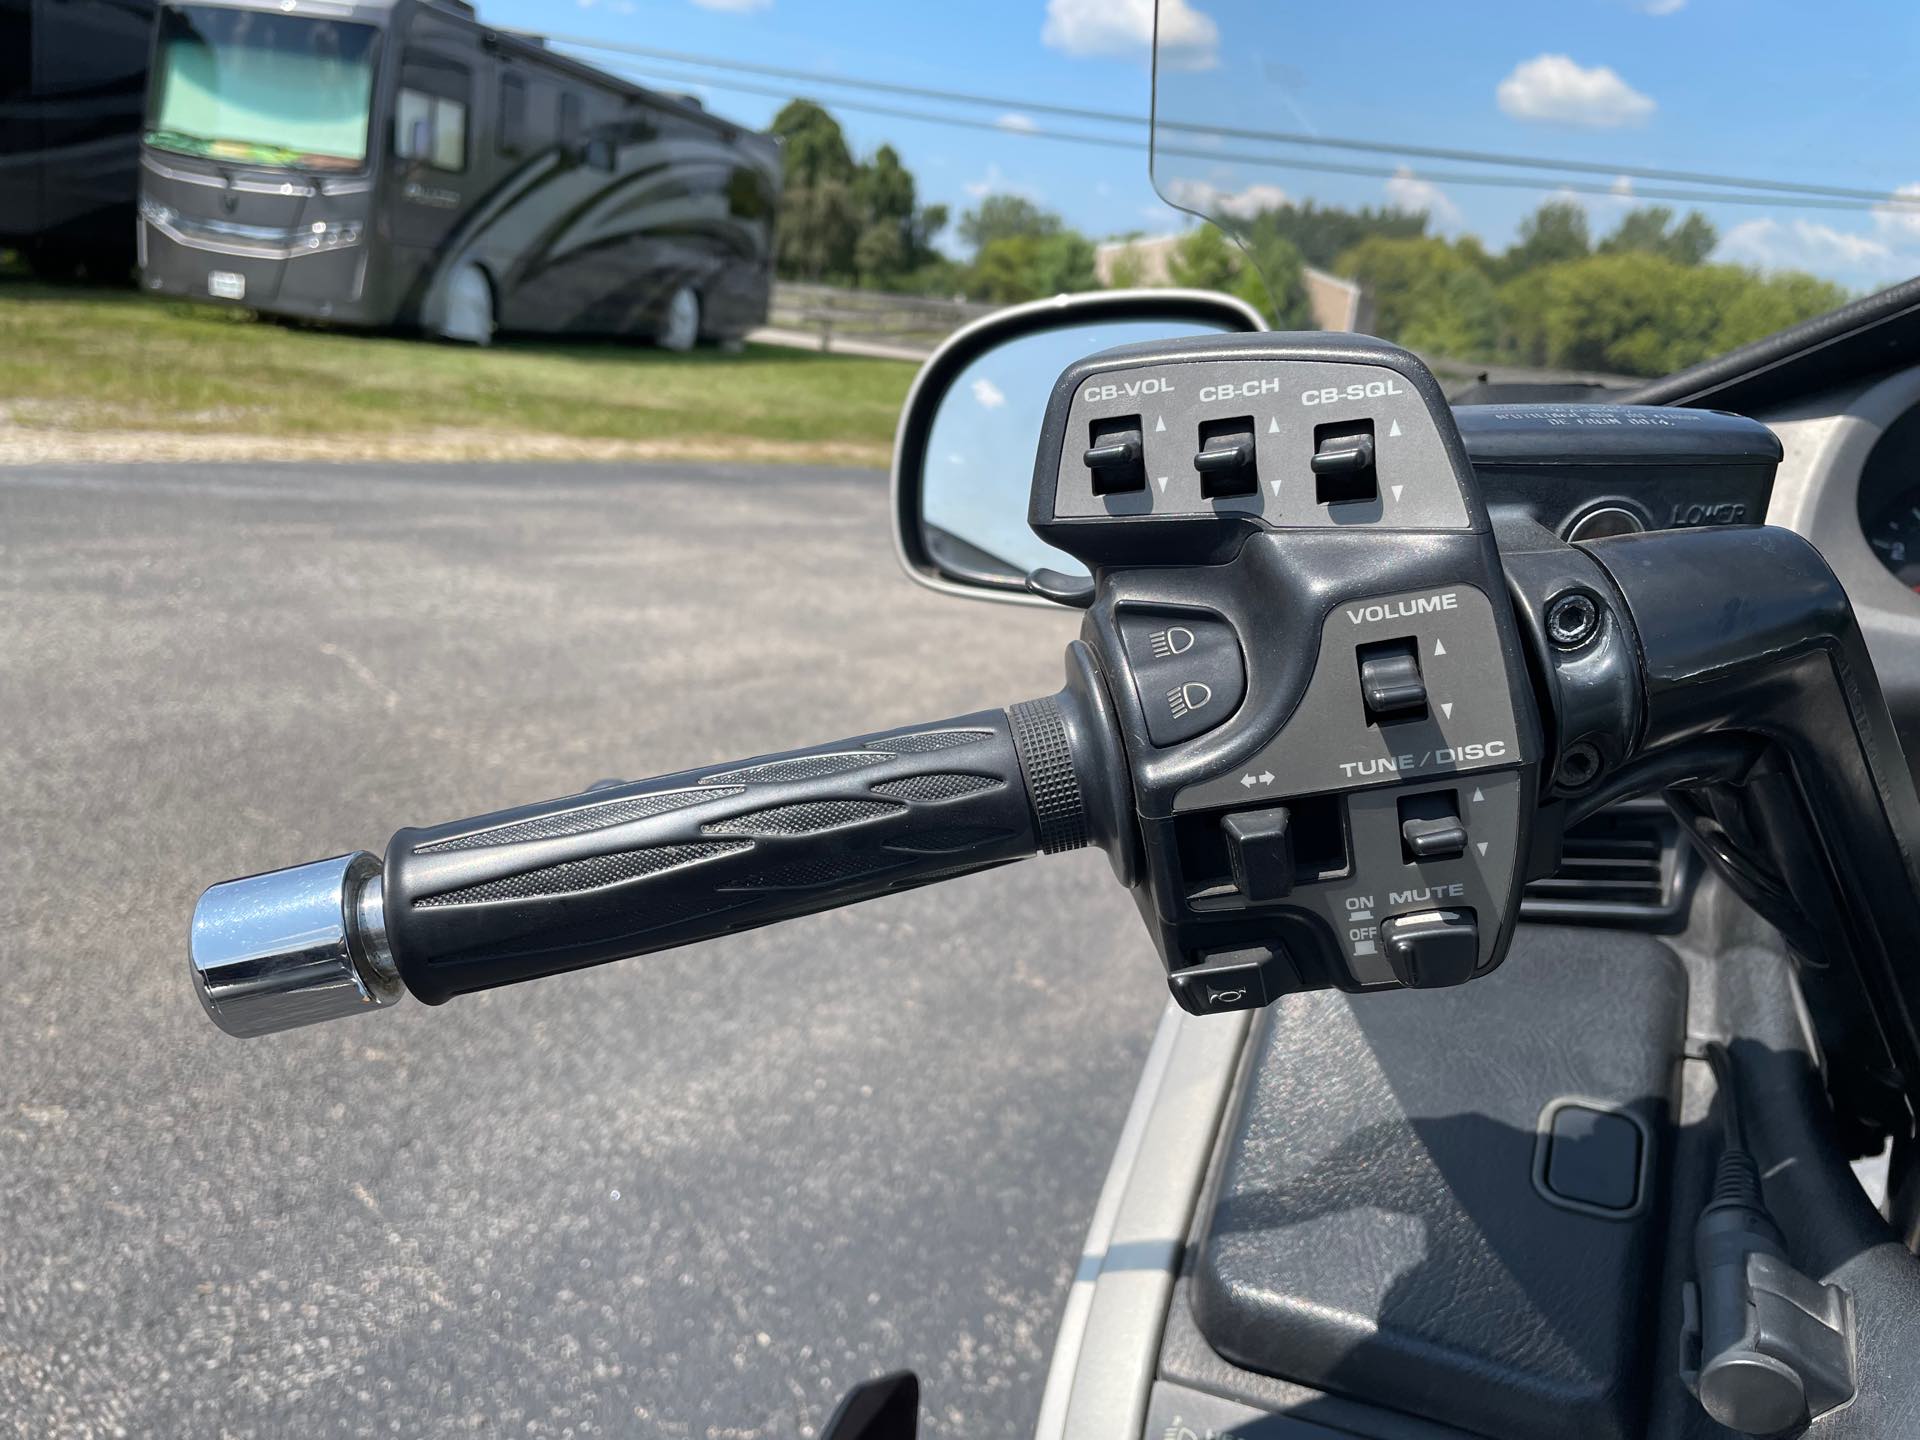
1326 167
1722 1064
1280 137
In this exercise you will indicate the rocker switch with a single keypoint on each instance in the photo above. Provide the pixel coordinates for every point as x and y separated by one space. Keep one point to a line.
1390 681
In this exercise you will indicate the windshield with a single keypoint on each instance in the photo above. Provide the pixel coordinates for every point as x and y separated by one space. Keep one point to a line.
1608 188
262 89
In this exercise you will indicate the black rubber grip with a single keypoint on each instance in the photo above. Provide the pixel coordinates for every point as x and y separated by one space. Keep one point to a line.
629 869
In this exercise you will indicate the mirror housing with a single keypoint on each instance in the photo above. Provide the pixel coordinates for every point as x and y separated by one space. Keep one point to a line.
948 562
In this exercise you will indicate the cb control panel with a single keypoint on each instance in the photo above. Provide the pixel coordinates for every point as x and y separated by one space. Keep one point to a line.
1300 617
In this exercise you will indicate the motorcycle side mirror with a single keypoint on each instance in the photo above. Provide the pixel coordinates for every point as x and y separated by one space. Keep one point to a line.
963 455
886 1408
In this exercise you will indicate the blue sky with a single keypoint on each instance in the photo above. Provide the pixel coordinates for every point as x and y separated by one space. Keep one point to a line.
1774 89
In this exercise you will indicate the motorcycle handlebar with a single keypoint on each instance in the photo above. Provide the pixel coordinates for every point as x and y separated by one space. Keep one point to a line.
626 869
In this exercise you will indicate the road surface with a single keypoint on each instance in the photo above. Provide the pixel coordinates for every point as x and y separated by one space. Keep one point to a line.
693 1195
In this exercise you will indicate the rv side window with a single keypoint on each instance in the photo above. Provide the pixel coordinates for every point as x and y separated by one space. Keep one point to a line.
430 128
512 139
569 118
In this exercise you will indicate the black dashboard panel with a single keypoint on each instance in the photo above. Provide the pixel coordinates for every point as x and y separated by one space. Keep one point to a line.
1583 471
1889 498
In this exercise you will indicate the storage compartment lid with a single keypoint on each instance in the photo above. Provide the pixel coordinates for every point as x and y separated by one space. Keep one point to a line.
1436 1201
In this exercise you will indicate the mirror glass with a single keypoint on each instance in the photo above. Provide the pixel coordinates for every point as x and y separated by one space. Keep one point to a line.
978 461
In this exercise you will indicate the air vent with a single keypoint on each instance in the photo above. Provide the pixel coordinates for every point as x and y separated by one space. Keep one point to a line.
1626 866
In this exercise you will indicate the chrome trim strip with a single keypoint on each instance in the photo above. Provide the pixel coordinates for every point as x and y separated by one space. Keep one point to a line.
1063 305
186 177
291 188
1107 1351
262 249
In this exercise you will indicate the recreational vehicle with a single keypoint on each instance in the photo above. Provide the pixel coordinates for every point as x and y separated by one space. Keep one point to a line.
397 163
73 74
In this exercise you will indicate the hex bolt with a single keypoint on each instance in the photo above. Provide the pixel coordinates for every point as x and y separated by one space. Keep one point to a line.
1579 767
1572 620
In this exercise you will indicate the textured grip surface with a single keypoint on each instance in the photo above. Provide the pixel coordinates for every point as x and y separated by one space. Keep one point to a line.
634 868
1046 759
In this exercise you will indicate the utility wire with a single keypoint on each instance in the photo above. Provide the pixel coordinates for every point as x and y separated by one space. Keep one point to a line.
1280 137
1326 167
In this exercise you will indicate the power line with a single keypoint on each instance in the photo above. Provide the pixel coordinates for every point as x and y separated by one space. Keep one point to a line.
1327 167
1281 137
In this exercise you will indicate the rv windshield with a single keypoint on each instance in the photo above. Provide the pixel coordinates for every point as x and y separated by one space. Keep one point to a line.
262 89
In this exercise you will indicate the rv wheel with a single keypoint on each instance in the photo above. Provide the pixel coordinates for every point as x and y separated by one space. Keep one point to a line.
680 324
469 306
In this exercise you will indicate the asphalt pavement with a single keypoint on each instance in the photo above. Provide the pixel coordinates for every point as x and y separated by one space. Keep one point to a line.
692 1195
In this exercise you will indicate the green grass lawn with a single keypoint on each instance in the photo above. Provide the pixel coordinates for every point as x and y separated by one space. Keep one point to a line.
99 372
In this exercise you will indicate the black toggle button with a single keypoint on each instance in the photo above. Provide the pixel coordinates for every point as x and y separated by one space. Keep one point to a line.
1228 980
1390 681
1441 839
1343 462
1226 459
1431 948
1117 455
1260 851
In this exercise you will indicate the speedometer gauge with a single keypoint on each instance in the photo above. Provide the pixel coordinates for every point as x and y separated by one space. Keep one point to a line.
1894 534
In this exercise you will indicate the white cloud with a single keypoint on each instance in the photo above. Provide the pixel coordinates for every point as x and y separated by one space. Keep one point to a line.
1204 198
995 182
735 7
1662 7
1020 124
1900 222
990 395
1800 245
1407 191
1189 40
1552 89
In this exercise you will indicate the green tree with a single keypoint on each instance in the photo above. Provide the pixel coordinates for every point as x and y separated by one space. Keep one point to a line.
1650 230
1635 313
1126 272
1427 294
1773 302
1011 268
1322 233
813 148
1274 282
1270 277
1556 232
884 187
1001 217
1205 260
820 221
881 254
1063 263
846 220
897 233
